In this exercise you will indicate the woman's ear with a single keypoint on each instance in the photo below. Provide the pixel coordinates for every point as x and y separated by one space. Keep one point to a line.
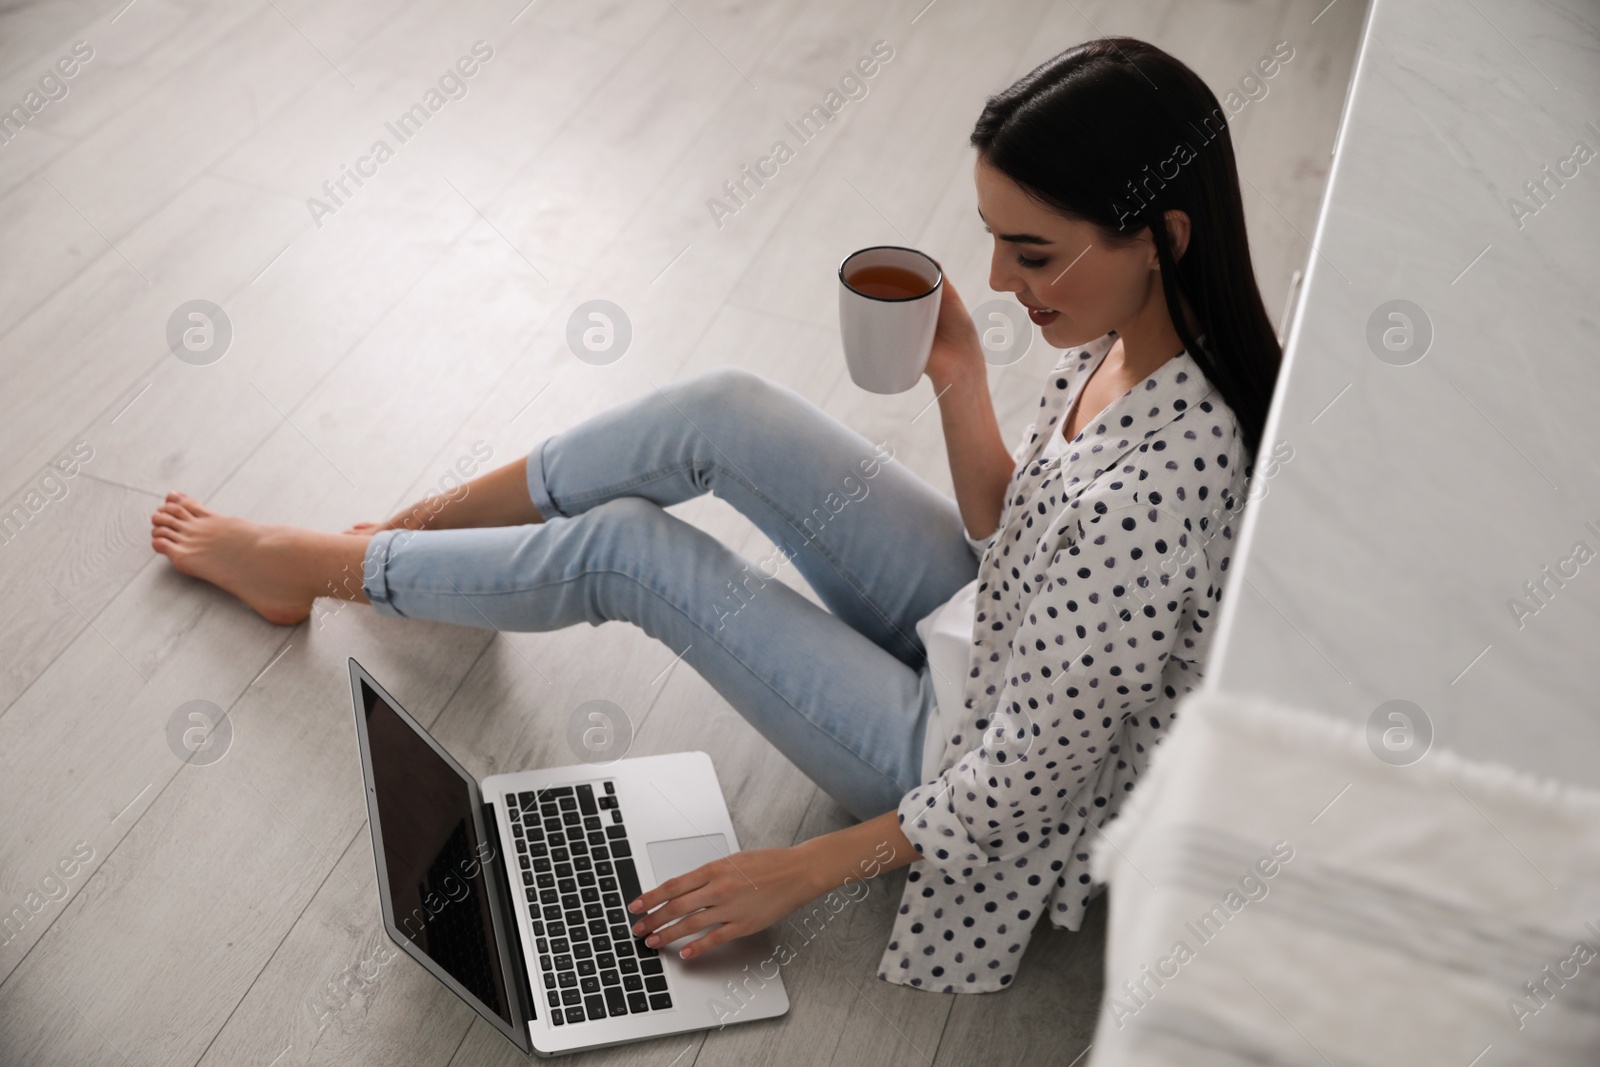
1177 232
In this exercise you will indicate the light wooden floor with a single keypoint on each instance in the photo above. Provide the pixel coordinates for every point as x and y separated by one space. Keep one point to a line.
220 903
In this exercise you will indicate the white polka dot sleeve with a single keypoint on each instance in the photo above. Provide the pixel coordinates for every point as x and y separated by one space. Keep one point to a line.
1095 632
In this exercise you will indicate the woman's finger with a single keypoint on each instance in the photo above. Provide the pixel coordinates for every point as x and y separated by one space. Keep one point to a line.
676 908
725 932
692 923
672 887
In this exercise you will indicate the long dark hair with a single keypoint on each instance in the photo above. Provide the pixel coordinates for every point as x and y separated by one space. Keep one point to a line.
1093 134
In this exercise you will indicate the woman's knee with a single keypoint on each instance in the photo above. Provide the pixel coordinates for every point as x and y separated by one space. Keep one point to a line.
724 393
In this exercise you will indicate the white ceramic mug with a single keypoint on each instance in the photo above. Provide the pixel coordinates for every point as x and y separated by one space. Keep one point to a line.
887 338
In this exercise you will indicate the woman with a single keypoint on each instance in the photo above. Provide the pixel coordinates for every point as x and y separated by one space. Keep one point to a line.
990 675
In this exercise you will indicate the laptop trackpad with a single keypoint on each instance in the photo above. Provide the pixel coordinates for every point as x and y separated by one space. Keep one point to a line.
668 859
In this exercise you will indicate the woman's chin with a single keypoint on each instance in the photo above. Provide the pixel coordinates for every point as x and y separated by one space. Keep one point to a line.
1059 333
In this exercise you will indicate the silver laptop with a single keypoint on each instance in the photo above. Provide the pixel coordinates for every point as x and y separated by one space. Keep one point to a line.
515 896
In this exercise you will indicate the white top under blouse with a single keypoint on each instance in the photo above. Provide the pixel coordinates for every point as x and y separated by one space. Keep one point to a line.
946 635
1088 622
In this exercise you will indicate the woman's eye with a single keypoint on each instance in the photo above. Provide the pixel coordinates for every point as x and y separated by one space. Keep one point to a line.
1024 261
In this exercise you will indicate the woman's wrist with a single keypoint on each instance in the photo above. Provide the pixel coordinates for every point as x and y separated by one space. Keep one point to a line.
858 852
961 374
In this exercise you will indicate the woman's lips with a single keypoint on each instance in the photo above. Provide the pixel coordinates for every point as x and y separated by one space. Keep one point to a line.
1042 316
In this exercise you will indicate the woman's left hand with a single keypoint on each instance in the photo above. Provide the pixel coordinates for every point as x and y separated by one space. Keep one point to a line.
745 892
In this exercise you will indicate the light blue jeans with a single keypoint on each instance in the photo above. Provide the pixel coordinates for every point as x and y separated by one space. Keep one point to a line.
844 693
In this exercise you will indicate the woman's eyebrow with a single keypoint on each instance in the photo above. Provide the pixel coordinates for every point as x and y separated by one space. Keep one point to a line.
1017 238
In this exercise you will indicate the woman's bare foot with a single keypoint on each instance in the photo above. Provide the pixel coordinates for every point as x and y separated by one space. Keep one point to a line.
277 570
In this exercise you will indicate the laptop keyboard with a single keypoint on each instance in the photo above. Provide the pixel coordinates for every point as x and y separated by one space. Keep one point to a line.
578 874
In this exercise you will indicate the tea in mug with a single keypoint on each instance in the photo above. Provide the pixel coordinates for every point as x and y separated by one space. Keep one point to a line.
888 282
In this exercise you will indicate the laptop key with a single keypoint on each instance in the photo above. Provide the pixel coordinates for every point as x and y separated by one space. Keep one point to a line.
660 1001
629 878
656 983
558 791
628 965
637 1003
570 997
610 977
614 1001
549 980
587 968
596 1007
651 966
574 1015
567 979
586 799
633 983
619 848
589 984
561 946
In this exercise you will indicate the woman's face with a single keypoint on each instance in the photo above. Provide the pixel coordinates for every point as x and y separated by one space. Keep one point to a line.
1075 286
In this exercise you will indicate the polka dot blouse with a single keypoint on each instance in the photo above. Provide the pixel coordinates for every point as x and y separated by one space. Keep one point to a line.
1096 600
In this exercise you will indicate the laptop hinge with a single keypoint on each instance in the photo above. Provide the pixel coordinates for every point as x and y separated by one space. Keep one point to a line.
501 887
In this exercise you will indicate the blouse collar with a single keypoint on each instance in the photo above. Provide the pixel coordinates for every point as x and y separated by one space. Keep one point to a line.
1169 391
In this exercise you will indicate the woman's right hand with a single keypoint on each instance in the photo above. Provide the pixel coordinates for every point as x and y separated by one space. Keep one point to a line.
956 348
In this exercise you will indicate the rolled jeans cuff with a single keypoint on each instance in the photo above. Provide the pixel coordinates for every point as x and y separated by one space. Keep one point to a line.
375 570
538 491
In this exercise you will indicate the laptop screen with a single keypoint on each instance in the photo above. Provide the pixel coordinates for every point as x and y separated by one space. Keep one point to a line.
431 854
